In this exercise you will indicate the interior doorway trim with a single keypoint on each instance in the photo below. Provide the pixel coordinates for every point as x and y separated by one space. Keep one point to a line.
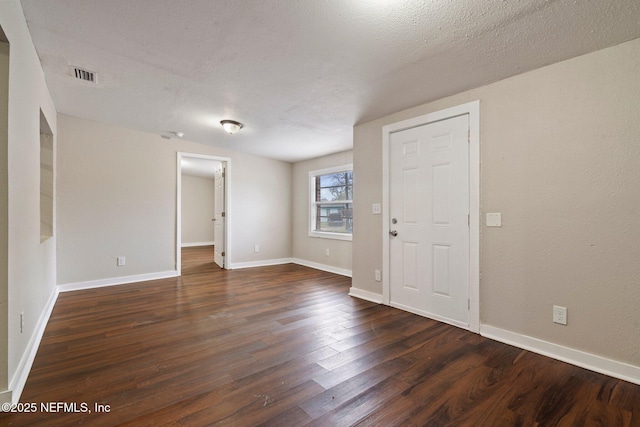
227 204
473 110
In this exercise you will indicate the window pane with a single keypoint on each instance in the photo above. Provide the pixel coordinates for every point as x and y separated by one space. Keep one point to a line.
334 179
336 218
332 194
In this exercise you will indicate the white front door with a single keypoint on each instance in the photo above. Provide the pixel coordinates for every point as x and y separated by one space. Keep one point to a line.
219 216
429 215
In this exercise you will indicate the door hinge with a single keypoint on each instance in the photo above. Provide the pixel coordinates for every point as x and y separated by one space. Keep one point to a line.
222 214
224 174
222 253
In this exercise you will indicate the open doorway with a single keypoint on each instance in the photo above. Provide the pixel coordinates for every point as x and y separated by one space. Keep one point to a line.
202 206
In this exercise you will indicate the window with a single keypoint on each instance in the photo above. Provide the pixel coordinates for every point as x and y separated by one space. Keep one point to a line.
331 211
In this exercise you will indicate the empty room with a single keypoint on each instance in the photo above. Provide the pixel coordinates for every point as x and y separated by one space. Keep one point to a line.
319 212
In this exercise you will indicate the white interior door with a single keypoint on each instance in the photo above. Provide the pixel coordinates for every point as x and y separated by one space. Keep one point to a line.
429 214
219 217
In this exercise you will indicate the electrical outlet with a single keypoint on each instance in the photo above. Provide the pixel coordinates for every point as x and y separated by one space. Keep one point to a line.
378 276
256 248
327 252
494 219
560 315
121 261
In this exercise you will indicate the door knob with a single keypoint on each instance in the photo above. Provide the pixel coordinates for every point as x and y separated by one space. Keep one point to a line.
394 233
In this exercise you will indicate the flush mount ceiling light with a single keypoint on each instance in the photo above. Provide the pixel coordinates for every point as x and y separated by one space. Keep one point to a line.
231 126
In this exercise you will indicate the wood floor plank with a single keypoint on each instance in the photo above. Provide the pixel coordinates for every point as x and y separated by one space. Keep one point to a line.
358 407
294 416
346 390
286 346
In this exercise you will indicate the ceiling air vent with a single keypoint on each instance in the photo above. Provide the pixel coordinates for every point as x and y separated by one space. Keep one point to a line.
86 75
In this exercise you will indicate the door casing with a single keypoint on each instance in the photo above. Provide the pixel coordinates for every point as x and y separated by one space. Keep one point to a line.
473 110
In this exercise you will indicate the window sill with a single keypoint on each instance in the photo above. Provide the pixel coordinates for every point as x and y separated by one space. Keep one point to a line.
328 235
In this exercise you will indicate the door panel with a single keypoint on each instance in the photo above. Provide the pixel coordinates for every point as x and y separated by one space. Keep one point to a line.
410 266
429 199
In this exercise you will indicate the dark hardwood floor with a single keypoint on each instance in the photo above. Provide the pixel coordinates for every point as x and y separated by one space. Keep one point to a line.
286 346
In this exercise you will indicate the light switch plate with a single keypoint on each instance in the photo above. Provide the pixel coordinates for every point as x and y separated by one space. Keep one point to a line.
376 208
494 220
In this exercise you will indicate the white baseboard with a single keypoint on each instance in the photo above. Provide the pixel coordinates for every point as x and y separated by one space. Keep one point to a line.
24 367
579 358
191 245
430 315
323 267
267 262
116 281
365 295
262 263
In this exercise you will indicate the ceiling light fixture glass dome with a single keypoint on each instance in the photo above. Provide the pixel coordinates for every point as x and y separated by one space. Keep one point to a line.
231 126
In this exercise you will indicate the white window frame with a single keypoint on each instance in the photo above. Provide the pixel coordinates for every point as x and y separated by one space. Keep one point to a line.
312 203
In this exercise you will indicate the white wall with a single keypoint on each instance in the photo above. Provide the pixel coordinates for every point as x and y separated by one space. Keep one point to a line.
313 249
31 265
561 161
117 197
197 209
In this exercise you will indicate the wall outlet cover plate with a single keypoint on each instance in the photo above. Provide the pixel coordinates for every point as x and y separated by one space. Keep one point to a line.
494 219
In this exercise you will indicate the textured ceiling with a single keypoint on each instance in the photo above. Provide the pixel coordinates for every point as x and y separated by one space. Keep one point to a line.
298 73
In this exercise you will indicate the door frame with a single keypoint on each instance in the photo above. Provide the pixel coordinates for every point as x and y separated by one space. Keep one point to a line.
227 205
219 216
473 110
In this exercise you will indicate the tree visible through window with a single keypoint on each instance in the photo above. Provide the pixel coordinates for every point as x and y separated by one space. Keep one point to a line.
332 201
